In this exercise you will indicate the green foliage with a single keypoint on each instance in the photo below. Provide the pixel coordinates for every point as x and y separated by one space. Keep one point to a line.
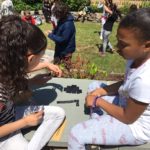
81 68
87 40
93 69
75 5
145 4
27 5
125 8
95 9
37 4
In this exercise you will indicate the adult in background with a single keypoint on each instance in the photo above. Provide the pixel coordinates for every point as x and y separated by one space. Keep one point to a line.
64 34
47 10
7 8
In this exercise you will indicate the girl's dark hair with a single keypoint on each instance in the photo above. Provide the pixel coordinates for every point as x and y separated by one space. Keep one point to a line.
108 3
139 21
133 8
115 10
61 10
13 52
36 40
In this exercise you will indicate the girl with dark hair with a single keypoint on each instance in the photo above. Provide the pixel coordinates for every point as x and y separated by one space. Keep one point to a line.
64 34
54 20
108 26
47 10
35 35
133 8
105 5
14 56
127 123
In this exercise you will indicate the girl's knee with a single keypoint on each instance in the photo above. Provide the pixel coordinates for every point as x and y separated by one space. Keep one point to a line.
55 112
75 131
94 85
60 112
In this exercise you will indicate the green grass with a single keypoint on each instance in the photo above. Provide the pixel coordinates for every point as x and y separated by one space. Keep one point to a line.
87 38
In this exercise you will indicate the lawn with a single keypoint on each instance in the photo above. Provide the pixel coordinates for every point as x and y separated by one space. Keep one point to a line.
87 39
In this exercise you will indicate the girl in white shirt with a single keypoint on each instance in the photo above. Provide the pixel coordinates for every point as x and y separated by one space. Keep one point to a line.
16 54
129 122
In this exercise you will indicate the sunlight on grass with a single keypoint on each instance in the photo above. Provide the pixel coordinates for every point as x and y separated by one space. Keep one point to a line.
87 40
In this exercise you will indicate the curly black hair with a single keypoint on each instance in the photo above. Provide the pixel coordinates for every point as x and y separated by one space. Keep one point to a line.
13 52
61 10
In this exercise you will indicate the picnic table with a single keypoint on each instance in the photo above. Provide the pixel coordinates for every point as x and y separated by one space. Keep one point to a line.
56 92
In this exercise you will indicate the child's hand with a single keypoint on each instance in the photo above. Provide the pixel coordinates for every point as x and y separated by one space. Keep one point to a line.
55 69
96 92
89 100
48 32
34 118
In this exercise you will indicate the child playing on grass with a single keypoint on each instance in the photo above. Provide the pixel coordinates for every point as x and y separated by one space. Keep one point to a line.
14 56
129 122
64 34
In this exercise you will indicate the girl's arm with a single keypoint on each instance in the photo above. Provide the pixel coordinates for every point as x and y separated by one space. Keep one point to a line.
107 9
12 127
108 90
30 120
126 115
45 64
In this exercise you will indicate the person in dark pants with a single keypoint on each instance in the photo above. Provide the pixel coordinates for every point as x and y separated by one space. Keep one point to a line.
63 35
108 27
47 10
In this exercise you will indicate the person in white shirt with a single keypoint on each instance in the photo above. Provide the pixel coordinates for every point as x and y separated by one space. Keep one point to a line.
128 122
7 8
105 6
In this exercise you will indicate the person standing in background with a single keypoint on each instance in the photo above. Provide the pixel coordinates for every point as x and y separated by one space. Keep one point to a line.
28 17
7 8
104 4
47 10
108 27
63 35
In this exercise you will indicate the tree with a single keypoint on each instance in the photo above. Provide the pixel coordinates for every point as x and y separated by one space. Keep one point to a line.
76 4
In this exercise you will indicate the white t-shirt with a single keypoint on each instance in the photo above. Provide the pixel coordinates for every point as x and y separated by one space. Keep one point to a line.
137 86
7 7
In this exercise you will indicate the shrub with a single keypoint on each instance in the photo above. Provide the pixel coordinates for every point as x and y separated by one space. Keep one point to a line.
81 69
20 5
125 8
145 4
75 5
